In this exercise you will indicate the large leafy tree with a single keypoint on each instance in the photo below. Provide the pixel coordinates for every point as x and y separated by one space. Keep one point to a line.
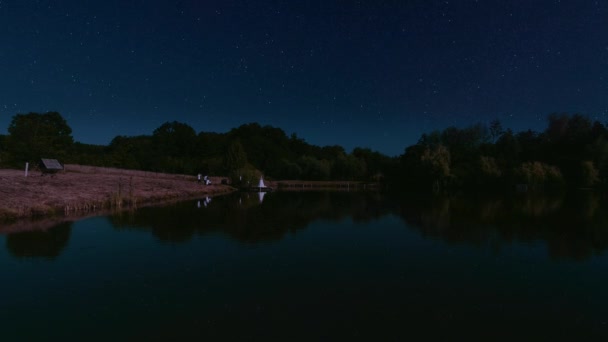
33 136
236 158
235 161
175 144
132 152
265 146
376 163
175 139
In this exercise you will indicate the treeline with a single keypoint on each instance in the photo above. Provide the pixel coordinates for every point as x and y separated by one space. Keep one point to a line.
244 153
571 151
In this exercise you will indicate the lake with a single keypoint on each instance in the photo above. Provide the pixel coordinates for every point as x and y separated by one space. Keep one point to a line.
312 266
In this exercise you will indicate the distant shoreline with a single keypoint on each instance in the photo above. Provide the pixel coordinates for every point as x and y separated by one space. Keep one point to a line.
81 191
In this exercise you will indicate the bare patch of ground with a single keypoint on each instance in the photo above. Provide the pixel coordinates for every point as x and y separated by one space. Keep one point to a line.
82 190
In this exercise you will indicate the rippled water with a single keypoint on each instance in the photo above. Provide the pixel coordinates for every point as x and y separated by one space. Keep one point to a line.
315 266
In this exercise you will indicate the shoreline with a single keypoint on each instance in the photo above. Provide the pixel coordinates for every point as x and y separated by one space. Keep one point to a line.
81 191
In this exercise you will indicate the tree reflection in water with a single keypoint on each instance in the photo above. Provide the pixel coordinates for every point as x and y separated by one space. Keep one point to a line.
244 218
573 226
46 244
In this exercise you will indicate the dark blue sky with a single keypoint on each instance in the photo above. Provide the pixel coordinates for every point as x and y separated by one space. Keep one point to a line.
374 74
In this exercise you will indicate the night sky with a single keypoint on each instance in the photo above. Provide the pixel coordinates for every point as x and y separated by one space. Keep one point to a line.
373 74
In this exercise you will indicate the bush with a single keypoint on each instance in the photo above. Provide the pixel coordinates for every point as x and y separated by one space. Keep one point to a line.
538 174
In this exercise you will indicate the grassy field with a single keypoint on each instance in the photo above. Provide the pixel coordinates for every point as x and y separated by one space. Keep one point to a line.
81 190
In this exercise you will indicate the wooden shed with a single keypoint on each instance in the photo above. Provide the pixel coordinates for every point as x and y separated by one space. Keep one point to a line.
50 166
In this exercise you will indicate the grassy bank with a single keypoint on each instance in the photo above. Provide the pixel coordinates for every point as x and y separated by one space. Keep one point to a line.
81 190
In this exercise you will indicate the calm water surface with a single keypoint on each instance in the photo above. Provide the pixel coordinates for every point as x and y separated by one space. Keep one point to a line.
315 266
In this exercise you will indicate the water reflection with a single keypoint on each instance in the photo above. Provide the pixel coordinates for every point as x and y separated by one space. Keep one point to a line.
572 227
248 218
47 244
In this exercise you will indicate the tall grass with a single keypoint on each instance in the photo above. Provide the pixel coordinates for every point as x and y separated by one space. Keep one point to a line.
124 172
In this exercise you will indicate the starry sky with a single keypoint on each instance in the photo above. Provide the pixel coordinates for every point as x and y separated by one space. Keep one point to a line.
372 73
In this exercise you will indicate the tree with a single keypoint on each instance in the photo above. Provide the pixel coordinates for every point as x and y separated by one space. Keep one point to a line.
348 167
508 149
288 170
174 145
558 126
33 136
489 172
589 175
535 173
436 161
235 161
496 130
3 152
431 140
88 154
265 146
314 169
133 153
529 142
175 139
599 151
377 165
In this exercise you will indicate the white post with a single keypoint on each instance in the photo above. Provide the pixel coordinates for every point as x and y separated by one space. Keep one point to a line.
27 166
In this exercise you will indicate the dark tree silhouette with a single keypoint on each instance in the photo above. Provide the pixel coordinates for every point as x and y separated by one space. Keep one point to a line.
33 136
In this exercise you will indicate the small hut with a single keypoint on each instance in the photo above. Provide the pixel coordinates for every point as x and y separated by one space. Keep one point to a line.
50 166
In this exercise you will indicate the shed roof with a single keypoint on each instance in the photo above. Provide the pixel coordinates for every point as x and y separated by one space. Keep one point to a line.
51 164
